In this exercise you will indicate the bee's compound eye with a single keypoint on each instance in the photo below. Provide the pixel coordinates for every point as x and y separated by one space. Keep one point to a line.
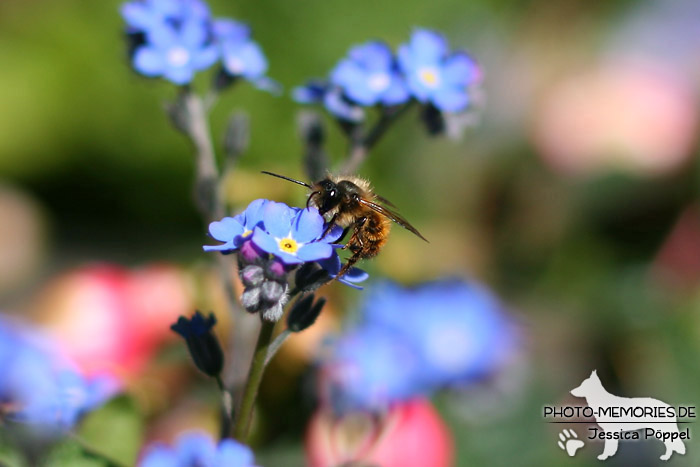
333 193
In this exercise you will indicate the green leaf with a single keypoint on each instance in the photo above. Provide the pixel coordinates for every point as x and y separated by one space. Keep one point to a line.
10 456
115 430
72 454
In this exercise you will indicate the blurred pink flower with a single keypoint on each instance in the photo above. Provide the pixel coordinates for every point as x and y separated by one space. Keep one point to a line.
110 319
410 434
637 117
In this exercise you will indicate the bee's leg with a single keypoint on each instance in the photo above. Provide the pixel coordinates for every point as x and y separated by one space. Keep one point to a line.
357 226
331 224
346 267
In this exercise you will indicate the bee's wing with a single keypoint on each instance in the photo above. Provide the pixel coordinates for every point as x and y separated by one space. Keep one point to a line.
391 215
385 201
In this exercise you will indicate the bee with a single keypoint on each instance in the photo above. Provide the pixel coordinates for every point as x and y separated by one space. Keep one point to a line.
350 202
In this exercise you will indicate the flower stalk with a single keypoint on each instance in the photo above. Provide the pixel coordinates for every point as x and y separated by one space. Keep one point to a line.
250 392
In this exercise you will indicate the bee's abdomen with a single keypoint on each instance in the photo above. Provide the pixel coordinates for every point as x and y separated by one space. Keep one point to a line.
372 236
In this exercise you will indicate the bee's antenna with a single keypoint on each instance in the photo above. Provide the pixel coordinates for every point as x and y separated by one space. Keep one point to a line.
287 178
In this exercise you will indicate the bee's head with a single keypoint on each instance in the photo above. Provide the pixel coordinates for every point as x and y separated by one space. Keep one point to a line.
326 195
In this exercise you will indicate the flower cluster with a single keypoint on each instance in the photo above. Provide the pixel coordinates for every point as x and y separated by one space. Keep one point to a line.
196 448
411 342
41 390
424 70
174 39
272 239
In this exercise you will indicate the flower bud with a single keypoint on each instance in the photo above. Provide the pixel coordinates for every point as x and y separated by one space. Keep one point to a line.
252 275
202 343
304 313
274 313
251 299
272 291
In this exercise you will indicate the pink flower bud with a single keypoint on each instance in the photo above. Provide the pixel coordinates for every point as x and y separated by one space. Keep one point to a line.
410 434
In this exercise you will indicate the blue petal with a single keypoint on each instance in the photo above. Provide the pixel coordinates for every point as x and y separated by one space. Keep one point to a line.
427 46
354 81
265 241
460 70
277 219
314 251
335 233
178 75
286 258
311 93
167 8
230 30
204 58
356 275
232 453
196 9
226 229
195 449
268 85
334 102
346 73
397 93
253 214
225 247
162 35
149 61
244 59
159 455
450 99
308 225
373 56
192 34
137 15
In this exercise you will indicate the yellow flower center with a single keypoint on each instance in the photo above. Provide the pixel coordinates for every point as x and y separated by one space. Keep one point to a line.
430 77
246 233
288 245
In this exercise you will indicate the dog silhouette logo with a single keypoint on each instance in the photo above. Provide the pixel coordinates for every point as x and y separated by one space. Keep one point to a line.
622 417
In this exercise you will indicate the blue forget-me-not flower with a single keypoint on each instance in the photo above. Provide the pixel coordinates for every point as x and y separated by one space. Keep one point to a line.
194 449
411 342
42 390
271 239
369 76
294 235
435 75
174 39
176 52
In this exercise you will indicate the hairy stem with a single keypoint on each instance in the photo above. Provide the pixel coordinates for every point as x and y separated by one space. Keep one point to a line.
226 409
250 393
207 193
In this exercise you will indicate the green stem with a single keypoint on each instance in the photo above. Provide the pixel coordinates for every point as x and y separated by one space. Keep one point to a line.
276 344
250 392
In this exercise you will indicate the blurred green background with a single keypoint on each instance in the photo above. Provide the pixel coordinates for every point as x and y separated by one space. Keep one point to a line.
598 258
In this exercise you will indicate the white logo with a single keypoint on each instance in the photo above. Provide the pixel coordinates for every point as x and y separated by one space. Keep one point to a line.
569 442
622 417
